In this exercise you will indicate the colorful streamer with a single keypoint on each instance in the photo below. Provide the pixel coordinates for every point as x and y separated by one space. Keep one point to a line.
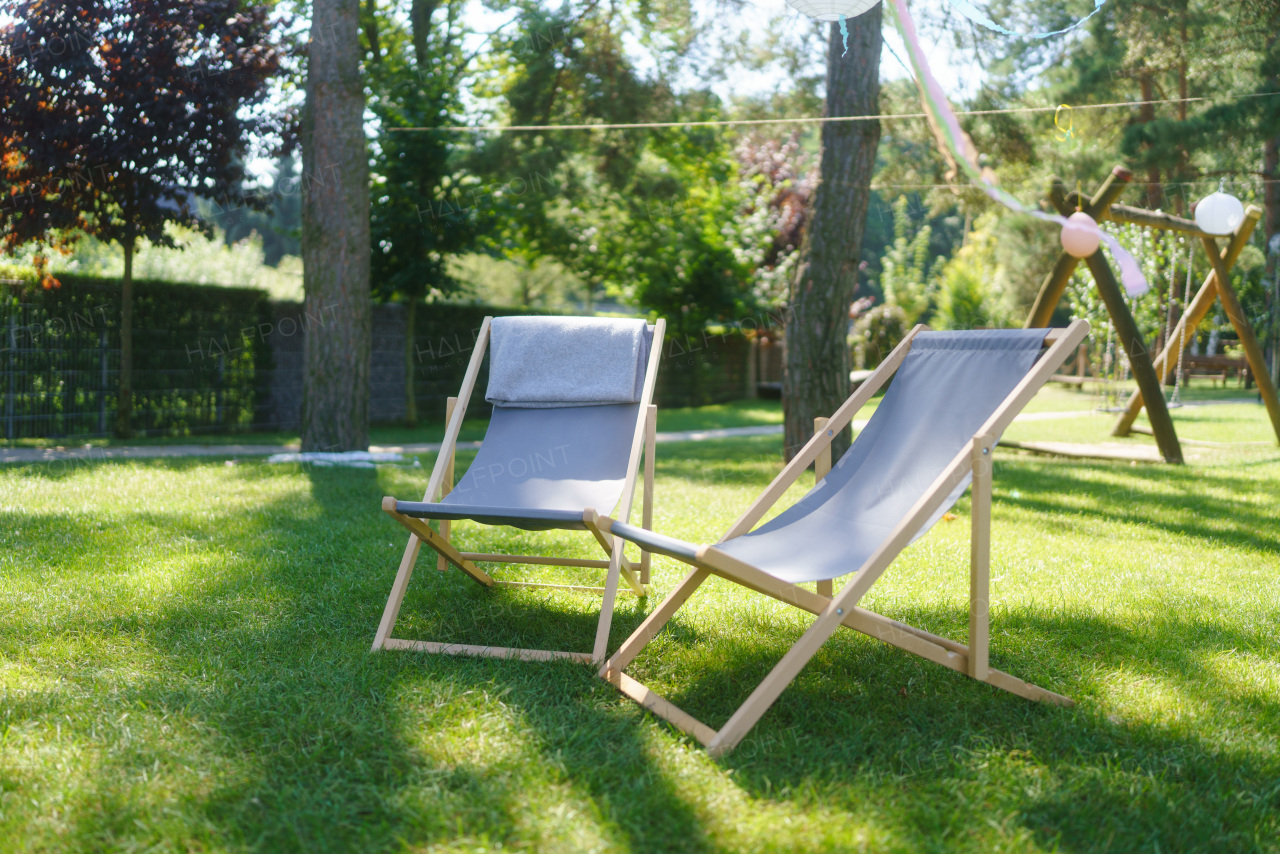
957 145
1065 133
973 13
844 34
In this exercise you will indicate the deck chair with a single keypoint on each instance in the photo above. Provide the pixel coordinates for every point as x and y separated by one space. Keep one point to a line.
952 396
572 411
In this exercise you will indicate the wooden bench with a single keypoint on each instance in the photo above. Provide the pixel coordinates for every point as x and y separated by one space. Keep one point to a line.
1216 368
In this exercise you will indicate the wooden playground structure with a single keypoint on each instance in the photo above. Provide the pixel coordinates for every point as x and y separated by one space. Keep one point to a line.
1150 373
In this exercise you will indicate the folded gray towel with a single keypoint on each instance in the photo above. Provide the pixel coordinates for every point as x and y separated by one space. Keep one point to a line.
551 362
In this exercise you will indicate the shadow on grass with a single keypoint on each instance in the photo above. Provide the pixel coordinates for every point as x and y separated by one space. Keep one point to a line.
1177 499
314 743
943 754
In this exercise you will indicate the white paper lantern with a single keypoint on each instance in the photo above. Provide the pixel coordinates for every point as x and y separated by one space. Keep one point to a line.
832 10
1220 213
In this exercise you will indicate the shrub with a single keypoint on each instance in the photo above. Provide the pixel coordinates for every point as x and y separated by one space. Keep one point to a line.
876 333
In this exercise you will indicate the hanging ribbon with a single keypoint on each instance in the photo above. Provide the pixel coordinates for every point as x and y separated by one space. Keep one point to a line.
973 13
844 34
1065 132
961 152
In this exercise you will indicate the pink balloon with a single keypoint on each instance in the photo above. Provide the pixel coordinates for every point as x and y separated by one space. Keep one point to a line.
1081 235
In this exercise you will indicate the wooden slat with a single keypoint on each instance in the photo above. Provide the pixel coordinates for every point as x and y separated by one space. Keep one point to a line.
575 588
450 443
485 651
980 555
646 510
605 623
398 587
637 439
941 650
1035 379
1192 317
821 468
534 560
445 525
1244 330
1014 685
809 453
662 707
591 519
424 532
443 461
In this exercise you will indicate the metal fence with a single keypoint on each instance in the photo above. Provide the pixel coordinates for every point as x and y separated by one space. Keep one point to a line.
223 360
193 372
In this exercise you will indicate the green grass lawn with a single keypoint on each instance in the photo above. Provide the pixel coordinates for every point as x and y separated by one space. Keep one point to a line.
185 665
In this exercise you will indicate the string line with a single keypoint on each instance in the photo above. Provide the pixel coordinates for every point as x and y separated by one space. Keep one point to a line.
820 119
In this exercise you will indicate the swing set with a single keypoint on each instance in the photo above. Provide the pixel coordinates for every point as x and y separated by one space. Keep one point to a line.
1151 373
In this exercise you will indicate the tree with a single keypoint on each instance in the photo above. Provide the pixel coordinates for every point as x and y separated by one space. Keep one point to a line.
117 114
335 235
816 379
414 230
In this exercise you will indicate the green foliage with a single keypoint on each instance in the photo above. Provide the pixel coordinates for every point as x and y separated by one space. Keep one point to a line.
876 332
192 259
424 205
907 278
141 106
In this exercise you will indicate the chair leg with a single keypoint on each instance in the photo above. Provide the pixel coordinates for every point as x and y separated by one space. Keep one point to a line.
606 606
445 526
821 468
980 559
650 446
610 544
392 611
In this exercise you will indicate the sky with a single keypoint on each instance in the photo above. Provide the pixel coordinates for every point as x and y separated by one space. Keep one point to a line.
961 72
755 17
758 16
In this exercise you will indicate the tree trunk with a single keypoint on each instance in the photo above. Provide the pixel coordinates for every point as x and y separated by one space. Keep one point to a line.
1271 192
124 407
335 236
410 352
1271 229
1147 114
816 380
420 13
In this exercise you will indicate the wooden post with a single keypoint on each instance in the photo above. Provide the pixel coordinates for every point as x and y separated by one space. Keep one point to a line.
445 488
1130 338
1167 362
646 508
1249 341
1056 282
821 468
980 557
1139 358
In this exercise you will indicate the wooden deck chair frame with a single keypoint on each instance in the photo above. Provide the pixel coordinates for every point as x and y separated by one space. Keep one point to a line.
619 567
842 608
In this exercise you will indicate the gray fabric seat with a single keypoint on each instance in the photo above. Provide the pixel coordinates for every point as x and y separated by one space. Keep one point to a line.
947 387
539 468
